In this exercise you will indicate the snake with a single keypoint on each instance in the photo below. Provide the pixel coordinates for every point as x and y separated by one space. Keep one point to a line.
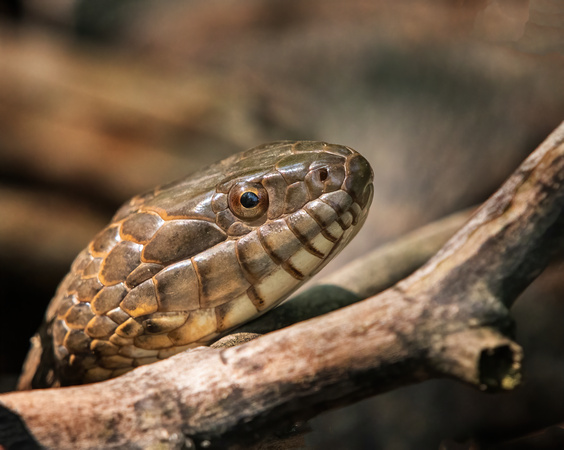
186 263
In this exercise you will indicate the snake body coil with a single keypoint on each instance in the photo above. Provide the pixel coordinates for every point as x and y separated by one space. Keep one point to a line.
185 263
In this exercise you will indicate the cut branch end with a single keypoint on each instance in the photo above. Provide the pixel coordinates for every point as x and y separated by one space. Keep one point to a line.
481 357
499 368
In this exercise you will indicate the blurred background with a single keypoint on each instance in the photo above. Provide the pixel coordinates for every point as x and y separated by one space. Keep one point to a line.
103 99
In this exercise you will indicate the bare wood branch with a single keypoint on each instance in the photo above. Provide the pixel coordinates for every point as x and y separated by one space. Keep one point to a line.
450 318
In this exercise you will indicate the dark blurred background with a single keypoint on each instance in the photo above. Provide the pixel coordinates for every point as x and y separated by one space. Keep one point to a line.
102 99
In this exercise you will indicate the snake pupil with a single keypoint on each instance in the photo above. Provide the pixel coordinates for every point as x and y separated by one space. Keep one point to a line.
249 200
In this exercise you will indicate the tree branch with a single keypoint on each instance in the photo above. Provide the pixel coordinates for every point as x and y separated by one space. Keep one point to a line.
450 318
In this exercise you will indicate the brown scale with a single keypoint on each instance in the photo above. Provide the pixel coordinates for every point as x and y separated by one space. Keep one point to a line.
296 197
253 258
177 287
140 228
122 259
183 264
219 274
180 239
100 327
108 298
278 240
141 300
141 273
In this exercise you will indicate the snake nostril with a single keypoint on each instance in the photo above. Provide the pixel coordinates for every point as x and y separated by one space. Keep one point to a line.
323 174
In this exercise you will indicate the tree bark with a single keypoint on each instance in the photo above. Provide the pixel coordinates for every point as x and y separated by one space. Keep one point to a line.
448 319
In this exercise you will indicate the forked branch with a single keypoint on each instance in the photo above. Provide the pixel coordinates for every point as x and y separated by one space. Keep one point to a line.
448 319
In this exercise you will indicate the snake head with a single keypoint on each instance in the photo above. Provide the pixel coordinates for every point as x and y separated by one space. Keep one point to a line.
182 265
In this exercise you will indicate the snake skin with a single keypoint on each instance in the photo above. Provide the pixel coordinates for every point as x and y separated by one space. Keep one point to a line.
180 266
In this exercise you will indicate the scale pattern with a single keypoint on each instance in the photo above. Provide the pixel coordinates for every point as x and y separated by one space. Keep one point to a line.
185 263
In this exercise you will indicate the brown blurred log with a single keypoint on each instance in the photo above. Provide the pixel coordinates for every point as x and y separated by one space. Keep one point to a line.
42 230
77 118
544 29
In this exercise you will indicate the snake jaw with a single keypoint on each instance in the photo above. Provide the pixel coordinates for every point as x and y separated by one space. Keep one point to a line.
178 267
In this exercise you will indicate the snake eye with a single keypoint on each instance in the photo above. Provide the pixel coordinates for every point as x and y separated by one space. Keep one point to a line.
248 201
